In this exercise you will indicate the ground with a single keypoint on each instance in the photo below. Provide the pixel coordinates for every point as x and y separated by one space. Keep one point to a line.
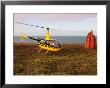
73 59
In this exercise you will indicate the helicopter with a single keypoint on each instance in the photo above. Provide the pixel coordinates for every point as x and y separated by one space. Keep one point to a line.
47 43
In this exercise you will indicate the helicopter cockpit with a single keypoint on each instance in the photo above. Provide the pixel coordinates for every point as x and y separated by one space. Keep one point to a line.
53 43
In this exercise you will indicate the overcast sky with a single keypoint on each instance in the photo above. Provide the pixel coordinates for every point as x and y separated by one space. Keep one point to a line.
73 24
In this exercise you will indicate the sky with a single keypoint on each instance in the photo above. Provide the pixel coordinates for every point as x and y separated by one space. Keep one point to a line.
65 24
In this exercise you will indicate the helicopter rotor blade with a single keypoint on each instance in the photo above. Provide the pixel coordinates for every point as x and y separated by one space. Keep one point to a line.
42 27
56 29
52 29
27 24
36 26
23 36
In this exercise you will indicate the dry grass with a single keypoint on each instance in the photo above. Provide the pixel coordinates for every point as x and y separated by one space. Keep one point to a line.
71 60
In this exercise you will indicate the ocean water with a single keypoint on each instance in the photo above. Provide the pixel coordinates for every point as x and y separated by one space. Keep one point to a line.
61 39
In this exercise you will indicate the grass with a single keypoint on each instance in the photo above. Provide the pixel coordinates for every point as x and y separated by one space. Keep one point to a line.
71 60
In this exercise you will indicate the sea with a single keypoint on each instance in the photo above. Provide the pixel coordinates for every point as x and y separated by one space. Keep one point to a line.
61 39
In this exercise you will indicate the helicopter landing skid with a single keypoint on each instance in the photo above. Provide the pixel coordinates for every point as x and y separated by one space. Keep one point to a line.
39 50
46 52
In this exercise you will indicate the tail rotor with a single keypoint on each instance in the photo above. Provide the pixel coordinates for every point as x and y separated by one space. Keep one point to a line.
23 36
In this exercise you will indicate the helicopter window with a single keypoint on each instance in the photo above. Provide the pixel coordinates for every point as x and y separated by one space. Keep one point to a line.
55 44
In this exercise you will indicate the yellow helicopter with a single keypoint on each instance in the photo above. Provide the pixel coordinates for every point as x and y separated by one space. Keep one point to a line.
48 43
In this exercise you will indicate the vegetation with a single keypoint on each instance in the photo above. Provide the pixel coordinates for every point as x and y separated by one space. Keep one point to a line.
73 59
